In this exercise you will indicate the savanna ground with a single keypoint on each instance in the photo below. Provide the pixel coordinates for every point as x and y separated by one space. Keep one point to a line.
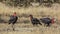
23 25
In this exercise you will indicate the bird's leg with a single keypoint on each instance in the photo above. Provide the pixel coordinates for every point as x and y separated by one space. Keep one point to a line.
44 24
48 24
37 25
34 24
40 23
13 27
9 23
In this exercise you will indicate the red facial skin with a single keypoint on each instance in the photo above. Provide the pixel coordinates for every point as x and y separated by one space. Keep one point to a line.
52 20
14 14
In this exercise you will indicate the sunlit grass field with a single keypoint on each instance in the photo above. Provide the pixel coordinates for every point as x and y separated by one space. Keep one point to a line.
37 12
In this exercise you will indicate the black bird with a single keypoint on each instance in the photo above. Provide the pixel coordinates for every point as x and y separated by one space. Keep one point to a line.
34 21
46 21
13 19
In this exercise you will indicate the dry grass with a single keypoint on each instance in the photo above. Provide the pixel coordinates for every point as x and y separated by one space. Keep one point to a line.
53 11
28 29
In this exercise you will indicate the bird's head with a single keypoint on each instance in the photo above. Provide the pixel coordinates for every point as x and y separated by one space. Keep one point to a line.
14 14
31 16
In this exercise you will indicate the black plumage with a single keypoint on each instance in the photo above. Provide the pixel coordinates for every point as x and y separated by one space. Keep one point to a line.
46 21
34 21
13 19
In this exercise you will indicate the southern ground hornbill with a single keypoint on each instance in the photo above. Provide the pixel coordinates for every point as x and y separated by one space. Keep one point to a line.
34 21
13 19
47 21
